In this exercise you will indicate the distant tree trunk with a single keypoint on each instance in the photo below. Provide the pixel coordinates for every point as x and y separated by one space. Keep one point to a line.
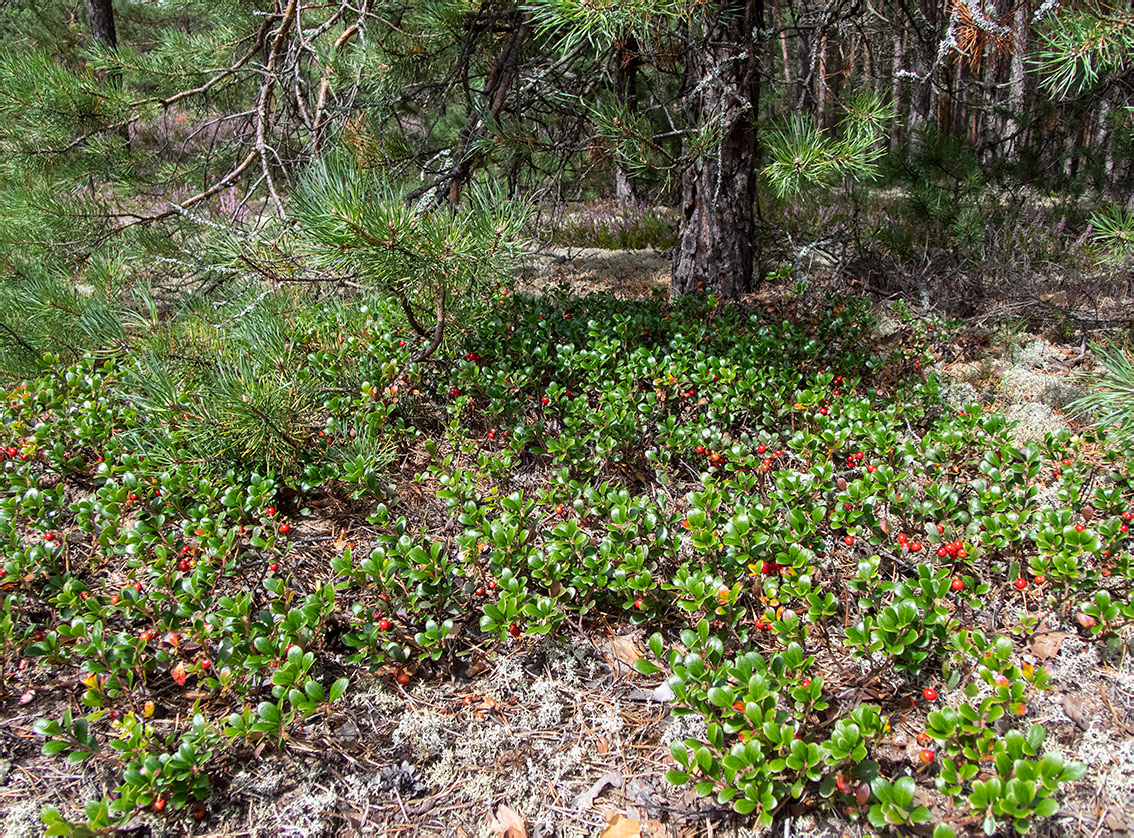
714 251
896 93
626 93
1017 83
101 13
821 85
804 98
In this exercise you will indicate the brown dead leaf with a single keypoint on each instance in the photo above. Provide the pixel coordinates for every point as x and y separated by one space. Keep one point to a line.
1074 710
178 674
1115 822
620 827
622 649
507 823
477 667
1046 646
586 799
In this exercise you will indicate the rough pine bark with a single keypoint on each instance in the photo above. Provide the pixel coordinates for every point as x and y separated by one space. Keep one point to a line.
101 13
1018 83
626 93
714 251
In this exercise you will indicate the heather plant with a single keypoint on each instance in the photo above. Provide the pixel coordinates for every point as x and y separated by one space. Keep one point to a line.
632 225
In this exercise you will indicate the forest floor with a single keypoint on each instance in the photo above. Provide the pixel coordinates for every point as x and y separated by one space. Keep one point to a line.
559 737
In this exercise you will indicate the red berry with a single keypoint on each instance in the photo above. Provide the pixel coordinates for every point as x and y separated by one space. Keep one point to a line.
1021 584
849 540
403 678
545 400
205 664
915 547
639 604
929 694
940 529
700 449
514 630
1039 580
384 624
958 585
760 449
285 528
137 586
492 434
49 536
926 755
1079 528
1128 516
274 566
942 552
738 706
805 683
962 554
270 511
183 565
159 804
114 600
559 509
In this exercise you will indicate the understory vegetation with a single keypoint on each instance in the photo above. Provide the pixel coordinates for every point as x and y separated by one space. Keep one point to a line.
809 534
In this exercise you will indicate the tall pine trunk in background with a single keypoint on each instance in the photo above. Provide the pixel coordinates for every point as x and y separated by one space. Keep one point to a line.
627 62
718 190
101 14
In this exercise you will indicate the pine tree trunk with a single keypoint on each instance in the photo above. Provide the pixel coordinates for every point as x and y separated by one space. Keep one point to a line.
896 93
626 93
714 251
101 13
1017 83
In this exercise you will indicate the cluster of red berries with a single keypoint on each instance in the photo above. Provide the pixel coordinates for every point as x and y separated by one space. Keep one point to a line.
768 568
952 550
472 356
855 458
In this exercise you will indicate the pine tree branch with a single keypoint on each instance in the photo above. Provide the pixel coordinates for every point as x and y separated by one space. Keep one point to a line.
15 336
430 348
325 87
257 45
265 97
410 316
